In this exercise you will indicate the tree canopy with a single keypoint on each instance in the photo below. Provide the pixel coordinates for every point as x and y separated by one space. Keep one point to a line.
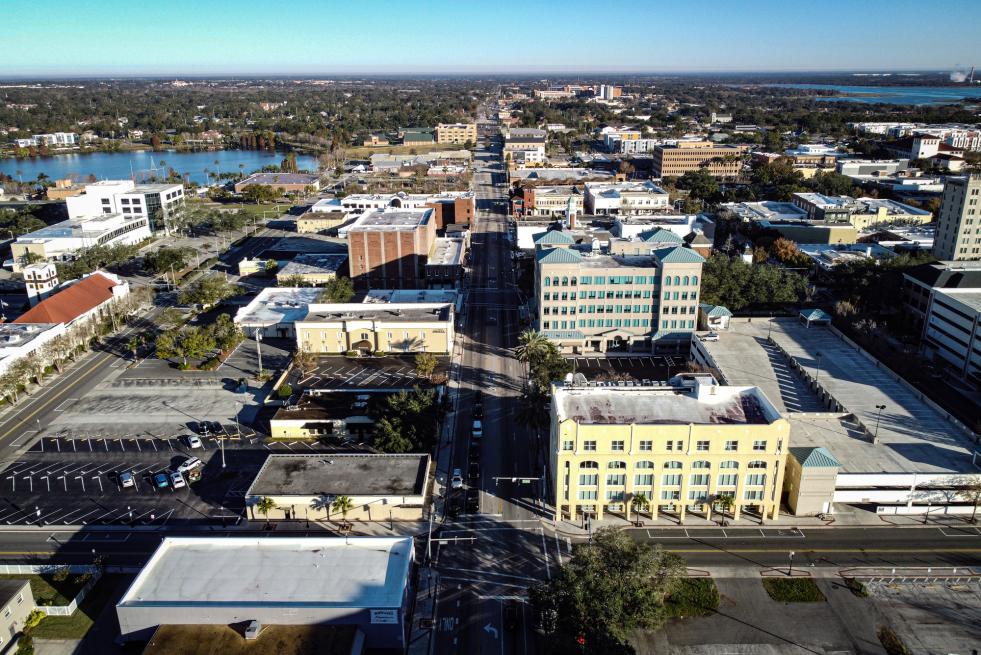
733 283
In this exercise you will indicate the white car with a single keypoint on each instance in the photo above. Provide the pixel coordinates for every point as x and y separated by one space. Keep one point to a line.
177 480
456 482
194 441
188 464
478 429
711 336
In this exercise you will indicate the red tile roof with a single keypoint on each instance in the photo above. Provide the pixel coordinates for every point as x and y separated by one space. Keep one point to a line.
67 305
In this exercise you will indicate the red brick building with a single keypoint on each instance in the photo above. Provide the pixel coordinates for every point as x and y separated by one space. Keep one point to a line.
388 249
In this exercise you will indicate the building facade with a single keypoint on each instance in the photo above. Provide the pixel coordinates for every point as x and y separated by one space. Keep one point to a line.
17 603
589 302
681 446
959 220
546 201
388 248
458 133
952 332
625 198
160 205
338 328
61 241
689 156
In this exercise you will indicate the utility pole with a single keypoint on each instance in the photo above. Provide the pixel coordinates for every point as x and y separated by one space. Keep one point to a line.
875 435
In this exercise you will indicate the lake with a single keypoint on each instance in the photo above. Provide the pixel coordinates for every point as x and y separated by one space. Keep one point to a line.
123 165
897 95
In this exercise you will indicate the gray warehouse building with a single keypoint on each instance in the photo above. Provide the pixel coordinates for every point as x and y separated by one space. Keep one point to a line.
361 581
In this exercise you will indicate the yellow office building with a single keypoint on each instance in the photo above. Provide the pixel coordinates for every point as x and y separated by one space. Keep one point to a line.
456 133
368 328
682 446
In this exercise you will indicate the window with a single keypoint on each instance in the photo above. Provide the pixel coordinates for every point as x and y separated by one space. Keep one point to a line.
568 445
699 479
671 480
670 495
616 479
701 445
589 445
757 464
646 445
588 479
644 464
6 612
698 496
20 598
588 464
727 480
644 480
674 445
700 464
756 479
617 445
587 494
753 494
672 465
616 465
616 496
759 444
729 464
732 445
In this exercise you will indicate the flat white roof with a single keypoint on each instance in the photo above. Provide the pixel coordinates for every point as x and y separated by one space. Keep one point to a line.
274 572
275 305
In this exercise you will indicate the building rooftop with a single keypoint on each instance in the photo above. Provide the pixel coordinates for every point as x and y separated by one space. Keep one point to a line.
14 336
154 188
969 297
333 474
275 305
280 178
912 435
407 312
68 304
704 403
313 264
88 227
10 588
447 251
767 210
391 219
861 206
948 275
411 296
197 572
617 189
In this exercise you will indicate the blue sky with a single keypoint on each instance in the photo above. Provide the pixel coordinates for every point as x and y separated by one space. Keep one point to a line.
182 37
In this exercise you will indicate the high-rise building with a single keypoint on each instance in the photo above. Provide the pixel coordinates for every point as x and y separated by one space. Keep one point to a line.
388 248
687 156
959 222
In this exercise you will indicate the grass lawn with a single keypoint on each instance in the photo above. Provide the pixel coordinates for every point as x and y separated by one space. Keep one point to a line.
79 623
693 597
48 591
363 152
793 590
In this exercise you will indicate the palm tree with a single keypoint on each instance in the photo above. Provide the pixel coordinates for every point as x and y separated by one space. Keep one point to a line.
725 503
533 408
531 344
134 344
342 504
264 506
241 171
218 166
639 503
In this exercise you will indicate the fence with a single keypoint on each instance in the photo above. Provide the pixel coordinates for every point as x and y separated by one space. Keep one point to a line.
69 609
36 569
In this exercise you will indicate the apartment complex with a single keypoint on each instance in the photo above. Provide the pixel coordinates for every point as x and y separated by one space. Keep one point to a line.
160 205
952 331
959 221
860 212
367 328
626 198
680 445
61 241
687 156
590 302
458 133
388 248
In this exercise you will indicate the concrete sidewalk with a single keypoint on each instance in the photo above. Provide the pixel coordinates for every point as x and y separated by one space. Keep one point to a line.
424 619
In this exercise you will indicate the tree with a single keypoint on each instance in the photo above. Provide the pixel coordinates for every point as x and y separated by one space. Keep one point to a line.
209 291
167 259
342 504
426 365
196 343
639 503
786 252
533 408
337 290
226 333
725 503
389 439
531 345
264 506
291 281
406 421
134 343
305 360
971 492
259 193
610 587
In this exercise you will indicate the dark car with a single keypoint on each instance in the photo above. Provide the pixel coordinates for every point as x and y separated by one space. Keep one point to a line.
478 397
478 411
473 455
473 501
474 470
510 616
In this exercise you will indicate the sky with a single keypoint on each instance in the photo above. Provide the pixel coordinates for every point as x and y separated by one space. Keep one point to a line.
310 37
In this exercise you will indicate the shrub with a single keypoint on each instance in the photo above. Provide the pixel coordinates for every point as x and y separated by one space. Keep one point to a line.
285 391
60 575
891 641
793 590
351 353
693 597
210 364
856 587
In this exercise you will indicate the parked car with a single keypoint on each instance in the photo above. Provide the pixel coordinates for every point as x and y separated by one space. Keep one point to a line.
189 464
711 336
194 441
126 479
478 411
161 480
456 481
177 480
473 471
478 429
478 397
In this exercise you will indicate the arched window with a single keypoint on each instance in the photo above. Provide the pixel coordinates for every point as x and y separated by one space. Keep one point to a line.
700 464
757 464
729 464
672 465
547 282
686 281
694 279
588 464
677 280
616 465
667 280
644 464
565 281
555 281
573 281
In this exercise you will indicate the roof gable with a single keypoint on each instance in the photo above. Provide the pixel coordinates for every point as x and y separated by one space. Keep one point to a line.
678 255
68 304
660 235
554 237
558 256
814 457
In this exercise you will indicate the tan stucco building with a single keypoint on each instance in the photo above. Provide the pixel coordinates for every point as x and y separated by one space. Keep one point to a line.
675 161
682 446
456 133
367 328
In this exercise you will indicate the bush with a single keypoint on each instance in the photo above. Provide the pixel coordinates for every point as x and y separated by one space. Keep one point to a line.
26 645
285 391
693 597
350 353
60 575
210 364
891 641
793 590
856 587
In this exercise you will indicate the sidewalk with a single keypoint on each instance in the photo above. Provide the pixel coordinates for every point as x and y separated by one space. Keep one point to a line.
423 630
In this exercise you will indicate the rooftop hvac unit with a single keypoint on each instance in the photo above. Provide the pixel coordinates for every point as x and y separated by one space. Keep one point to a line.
252 630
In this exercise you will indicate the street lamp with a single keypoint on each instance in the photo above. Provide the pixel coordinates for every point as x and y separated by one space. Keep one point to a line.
875 435
258 347
790 569
817 367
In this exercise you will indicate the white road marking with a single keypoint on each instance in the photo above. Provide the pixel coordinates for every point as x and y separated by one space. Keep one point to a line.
548 569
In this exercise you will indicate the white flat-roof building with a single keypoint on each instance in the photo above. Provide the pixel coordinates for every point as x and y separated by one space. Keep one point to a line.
627 227
159 204
61 241
361 581
19 340
952 331
274 311
624 198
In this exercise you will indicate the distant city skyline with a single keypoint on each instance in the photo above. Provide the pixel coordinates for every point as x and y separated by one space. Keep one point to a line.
304 38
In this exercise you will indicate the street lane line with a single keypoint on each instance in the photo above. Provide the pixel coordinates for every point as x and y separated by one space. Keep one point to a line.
548 569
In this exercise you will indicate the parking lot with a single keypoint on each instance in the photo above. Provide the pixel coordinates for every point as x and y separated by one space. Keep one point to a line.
368 373
61 481
651 367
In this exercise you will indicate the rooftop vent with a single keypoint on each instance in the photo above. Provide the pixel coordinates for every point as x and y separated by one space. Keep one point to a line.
252 630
